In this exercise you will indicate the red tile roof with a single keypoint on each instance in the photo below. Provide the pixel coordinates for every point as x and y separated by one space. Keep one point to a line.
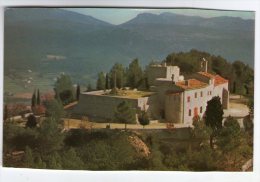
192 84
206 74
218 79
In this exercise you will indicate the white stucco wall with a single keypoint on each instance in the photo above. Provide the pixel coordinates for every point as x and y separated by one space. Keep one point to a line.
196 102
159 71
200 101
103 106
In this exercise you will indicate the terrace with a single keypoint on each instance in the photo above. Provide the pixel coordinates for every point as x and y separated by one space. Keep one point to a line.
127 93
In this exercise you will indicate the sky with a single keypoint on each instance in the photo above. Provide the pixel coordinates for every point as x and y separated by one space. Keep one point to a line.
120 15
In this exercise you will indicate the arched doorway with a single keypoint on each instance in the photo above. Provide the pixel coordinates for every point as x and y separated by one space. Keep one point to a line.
196 112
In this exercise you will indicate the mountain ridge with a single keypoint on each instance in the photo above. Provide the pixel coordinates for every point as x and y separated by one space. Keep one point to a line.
90 45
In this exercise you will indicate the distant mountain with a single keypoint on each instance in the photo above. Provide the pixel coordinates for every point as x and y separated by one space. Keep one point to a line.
230 37
224 22
36 37
50 15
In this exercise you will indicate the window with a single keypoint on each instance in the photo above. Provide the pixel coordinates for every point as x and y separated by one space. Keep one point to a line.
195 94
188 99
201 94
189 112
200 109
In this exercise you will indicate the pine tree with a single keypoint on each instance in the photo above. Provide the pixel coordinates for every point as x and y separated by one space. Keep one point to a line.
101 82
134 74
38 102
54 109
54 161
28 157
230 136
39 164
64 89
71 160
50 136
125 113
117 76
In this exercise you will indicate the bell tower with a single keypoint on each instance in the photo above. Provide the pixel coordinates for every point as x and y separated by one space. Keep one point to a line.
204 65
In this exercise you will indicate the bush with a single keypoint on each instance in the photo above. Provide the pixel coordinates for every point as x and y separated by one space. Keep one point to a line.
31 121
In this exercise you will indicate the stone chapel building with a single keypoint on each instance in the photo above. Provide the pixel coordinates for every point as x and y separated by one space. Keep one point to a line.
179 100
173 98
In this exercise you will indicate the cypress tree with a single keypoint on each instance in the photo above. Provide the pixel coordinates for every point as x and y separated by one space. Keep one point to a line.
78 91
214 116
38 97
33 99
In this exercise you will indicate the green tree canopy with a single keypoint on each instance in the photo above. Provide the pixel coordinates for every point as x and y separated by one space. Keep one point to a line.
54 109
134 74
64 89
125 113
214 116
31 121
50 136
232 143
143 118
117 76
28 157
240 75
54 161
101 81
200 131
229 137
71 160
